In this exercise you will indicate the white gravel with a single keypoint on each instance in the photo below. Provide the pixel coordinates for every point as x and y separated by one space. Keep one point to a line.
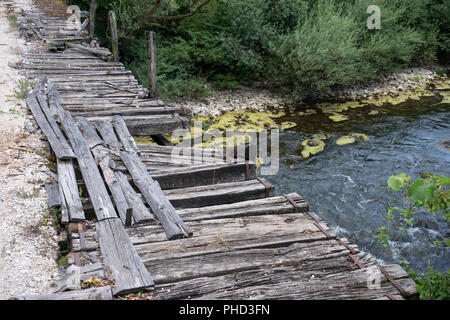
28 242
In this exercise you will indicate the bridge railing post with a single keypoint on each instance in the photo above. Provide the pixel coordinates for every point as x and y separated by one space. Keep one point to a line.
151 55
114 37
92 10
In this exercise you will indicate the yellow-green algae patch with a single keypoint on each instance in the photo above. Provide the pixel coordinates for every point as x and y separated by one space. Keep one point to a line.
338 117
446 97
240 121
345 140
307 112
442 85
403 96
352 139
361 136
144 140
333 108
311 147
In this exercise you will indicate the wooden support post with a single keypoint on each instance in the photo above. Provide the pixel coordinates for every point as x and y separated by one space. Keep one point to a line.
151 55
92 10
114 37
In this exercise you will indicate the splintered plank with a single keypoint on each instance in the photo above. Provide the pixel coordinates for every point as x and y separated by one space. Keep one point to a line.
155 197
101 293
140 212
124 135
219 235
101 155
54 198
68 182
203 221
215 264
94 182
130 274
106 130
331 279
50 129
219 193
274 205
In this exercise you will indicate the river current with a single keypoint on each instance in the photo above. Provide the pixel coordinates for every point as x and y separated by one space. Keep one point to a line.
347 185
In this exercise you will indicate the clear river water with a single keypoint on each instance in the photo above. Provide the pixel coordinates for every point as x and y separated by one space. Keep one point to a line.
347 185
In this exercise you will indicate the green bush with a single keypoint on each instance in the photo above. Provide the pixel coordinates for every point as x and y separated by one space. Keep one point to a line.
310 48
432 285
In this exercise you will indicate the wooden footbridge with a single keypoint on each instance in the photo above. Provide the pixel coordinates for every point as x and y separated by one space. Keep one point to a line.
146 220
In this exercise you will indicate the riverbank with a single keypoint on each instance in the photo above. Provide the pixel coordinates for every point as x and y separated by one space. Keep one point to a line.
257 99
28 241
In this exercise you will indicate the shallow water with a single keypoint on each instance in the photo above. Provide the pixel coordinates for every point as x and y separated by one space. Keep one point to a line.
347 185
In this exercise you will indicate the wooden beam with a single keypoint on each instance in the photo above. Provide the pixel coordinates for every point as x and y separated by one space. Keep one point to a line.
102 293
98 194
69 188
114 37
124 135
119 255
92 10
151 56
50 128
101 155
156 199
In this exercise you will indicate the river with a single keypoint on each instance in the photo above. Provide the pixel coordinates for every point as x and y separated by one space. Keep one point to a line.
347 185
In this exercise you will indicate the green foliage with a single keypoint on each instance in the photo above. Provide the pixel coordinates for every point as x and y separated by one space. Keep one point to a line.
432 285
310 48
24 86
430 193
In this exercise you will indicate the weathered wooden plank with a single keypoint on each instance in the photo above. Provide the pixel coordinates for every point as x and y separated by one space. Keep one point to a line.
124 135
220 234
92 11
329 279
101 155
140 212
114 37
101 293
203 220
120 256
112 110
106 130
54 199
226 235
216 264
156 199
68 182
83 28
218 194
61 150
151 56
264 206
94 182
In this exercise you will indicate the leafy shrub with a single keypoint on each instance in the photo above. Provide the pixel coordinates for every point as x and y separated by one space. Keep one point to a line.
311 48
432 285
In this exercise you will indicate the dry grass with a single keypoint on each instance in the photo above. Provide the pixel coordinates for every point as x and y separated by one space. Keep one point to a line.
52 7
12 141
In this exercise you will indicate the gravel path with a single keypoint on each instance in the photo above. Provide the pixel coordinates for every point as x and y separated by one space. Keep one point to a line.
28 242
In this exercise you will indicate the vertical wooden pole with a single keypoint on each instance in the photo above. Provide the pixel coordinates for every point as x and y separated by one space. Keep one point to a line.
92 10
151 55
114 38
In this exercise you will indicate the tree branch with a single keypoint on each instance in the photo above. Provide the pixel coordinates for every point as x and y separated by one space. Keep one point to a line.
188 13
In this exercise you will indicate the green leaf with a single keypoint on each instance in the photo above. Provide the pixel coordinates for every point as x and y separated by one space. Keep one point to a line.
395 183
447 242
421 192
